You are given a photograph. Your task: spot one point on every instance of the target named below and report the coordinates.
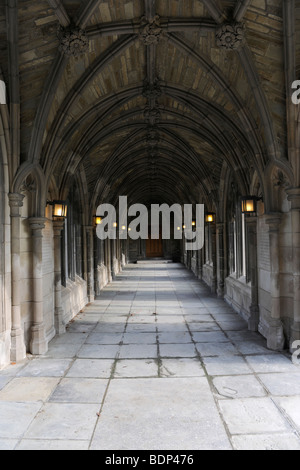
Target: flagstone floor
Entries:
(156, 363)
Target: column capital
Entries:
(251, 221)
(37, 223)
(294, 197)
(58, 225)
(274, 219)
(15, 202)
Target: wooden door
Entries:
(154, 248)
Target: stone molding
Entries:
(151, 31)
(16, 200)
(152, 115)
(294, 197)
(230, 36)
(152, 91)
(73, 41)
(37, 224)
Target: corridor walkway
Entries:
(155, 363)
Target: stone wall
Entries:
(74, 298)
(238, 295)
(264, 270)
(208, 275)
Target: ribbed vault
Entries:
(157, 104)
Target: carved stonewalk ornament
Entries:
(151, 32)
(73, 41)
(230, 36)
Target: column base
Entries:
(38, 344)
(221, 291)
(295, 336)
(275, 337)
(253, 320)
(18, 348)
(60, 326)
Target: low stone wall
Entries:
(238, 295)
(73, 298)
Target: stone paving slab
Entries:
(98, 351)
(79, 390)
(28, 389)
(160, 414)
(16, 417)
(91, 368)
(290, 406)
(282, 384)
(183, 367)
(253, 416)
(67, 421)
(138, 351)
(136, 368)
(287, 441)
(271, 363)
(157, 362)
(45, 368)
(52, 445)
(241, 386)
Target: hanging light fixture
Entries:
(249, 204)
(60, 209)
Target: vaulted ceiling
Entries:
(150, 99)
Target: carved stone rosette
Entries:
(230, 36)
(152, 115)
(151, 32)
(152, 91)
(73, 41)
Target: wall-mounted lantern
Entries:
(60, 209)
(97, 220)
(210, 217)
(249, 204)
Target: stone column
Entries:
(113, 258)
(90, 263)
(220, 259)
(38, 344)
(251, 228)
(18, 349)
(108, 259)
(97, 261)
(59, 324)
(200, 264)
(275, 339)
(294, 197)
(213, 233)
